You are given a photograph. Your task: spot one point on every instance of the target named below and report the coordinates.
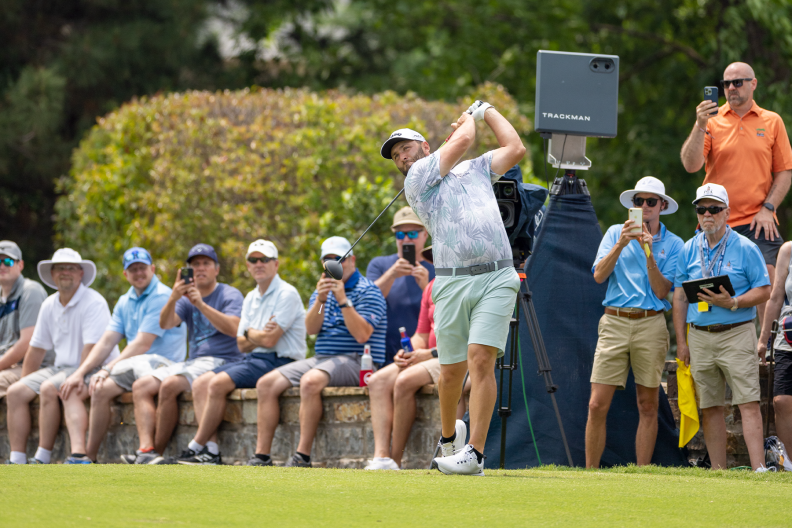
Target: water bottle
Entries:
(366, 366)
(406, 344)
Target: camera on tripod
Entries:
(507, 196)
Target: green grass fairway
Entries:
(117, 495)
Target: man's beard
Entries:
(419, 155)
(715, 227)
(735, 99)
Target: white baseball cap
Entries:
(335, 246)
(265, 247)
(713, 191)
(403, 134)
(66, 256)
(649, 184)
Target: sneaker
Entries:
(463, 463)
(163, 461)
(128, 459)
(297, 461)
(256, 461)
(33, 460)
(765, 470)
(146, 458)
(452, 448)
(382, 463)
(204, 458)
(77, 460)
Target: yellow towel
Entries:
(686, 400)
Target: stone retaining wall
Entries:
(344, 438)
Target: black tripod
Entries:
(525, 302)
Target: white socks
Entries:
(43, 455)
(18, 457)
(211, 446)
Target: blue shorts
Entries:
(247, 372)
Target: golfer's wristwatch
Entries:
(347, 304)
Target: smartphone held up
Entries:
(186, 275)
(711, 95)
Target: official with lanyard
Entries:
(721, 339)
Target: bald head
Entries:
(738, 70)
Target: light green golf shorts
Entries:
(473, 309)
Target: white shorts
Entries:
(127, 371)
(190, 369)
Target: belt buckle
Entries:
(481, 268)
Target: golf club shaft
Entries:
(372, 225)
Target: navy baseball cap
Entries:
(202, 250)
(136, 254)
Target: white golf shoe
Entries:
(454, 447)
(463, 463)
(382, 463)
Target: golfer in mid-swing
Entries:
(476, 285)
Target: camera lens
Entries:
(508, 190)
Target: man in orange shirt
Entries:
(746, 149)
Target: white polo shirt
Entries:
(281, 300)
(67, 329)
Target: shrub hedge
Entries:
(226, 168)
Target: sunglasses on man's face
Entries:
(713, 209)
(737, 83)
(412, 235)
(254, 260)
(7, 262)
(325, 259)
(651, 202)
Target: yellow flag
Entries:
(686, 400)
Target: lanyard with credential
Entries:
(717, 258)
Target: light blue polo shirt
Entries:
(133, 314)
(628, 285)
(742, 262)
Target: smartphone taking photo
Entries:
(187, 275)
(711, 94)
(408, 253)
(636, 215)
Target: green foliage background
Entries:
(226, 168)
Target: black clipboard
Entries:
(713, 284)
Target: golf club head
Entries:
(334, 269)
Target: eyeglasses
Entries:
(7, 262)
(735, 82)
(265, 260)
(325, 259)
(68, 268)
(713, 209)
(651, 202)
(412, 235)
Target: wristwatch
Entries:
(347, 304)
(434, 352)
(769, 206)
(734, 306)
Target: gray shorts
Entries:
(127, 371)
(55, 375)
(190, 369)
(344, 371)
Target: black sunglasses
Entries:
(735, 82)
(254, 260)
(713, 209)
(651, 202)
(325, 259)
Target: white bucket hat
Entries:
(649, 184)
(66, 256)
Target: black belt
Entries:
(475, 270)
(719, 327)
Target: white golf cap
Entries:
(66, 256)
(713, 191)
(265, 247)
(403, 134)
(335, 246)
(649, 184)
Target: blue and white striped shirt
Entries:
(334, 338)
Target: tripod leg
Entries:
(505, 411)
(437, 449)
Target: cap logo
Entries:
(396, 134)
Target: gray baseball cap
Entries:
(11, 249)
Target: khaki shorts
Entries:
(623, 343)
(724, 357)
(8, 377)
(432, 366)
(55, 375)
(343, 370)
(190, 369)
(129, 370)
(473, 310)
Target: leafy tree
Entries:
(226, 168)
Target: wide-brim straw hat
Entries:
(649, 184)
(66, 256)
